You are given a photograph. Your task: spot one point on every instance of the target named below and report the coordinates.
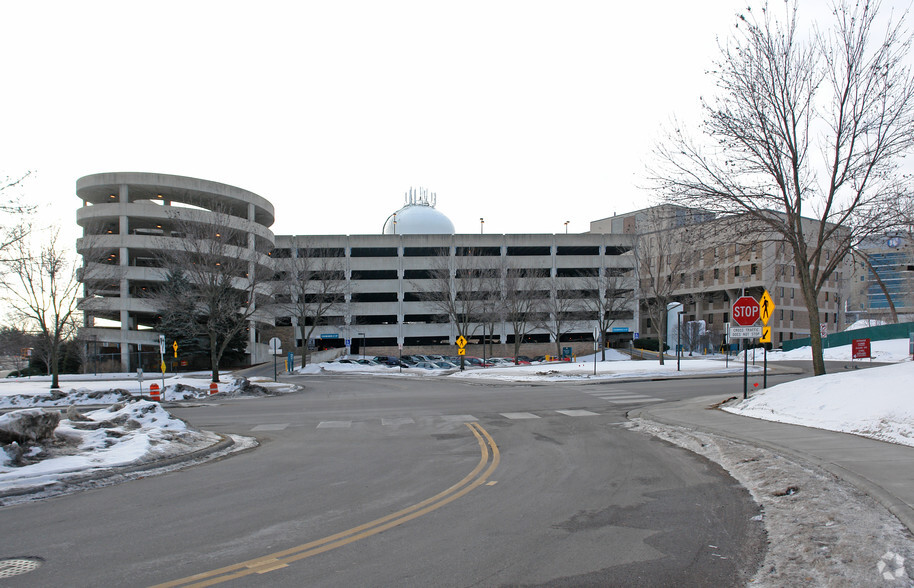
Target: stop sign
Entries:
(745, 311)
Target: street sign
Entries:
(348, 342)
(275, 346)
(175, 347)
(766, 335)
(461, 351)
(161, 344)
(461, 342)
(745, 311)
(860, 348)
(330, 335)
(745, 332)
(766, 308)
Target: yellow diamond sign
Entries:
(765, 307)
(766, 335)
(461, 341)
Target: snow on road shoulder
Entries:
(822, 531)
(133, 433)
(876, 402)
(894, 350)
(606, 370)
(32, 392)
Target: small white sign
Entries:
(275, 346)
(745, 332)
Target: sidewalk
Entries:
(885, 471)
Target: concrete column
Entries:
(124, 265)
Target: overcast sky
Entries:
(528, 114)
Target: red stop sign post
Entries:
(745, 313)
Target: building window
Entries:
(782, 314)
(716, 273)
(782, 292)
(753, 269)
(736, 271)
(791, 293)
(791, 317)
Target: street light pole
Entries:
(678, 338)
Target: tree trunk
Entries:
(55, 367)
(661, 336)
(815, 336)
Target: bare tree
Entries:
(613, 292)
(216, 281)
(662, 250)
(561, 311)
(313, 288)
(40, 285)
(805, 138)
(457, 290)
(520, 290)
(13, 209)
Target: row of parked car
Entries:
(439, 362)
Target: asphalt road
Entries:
(374, 481)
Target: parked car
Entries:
(445, 365)
(477, 362)
(366, 362)
(426, 365)
(390, 361)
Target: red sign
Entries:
(745, 311)
(860, 348)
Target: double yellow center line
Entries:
(488, 461)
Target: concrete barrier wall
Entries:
(880, 333)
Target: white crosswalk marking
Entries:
(334, 424)
(577, 413)
(519, 415)
(459, 418)
(396, 422)
(277, 427)
(624, 397)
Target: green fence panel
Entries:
(880, 333)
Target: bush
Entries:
(26, 372)
(649, 344)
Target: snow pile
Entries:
(607, 370)
(875, 403)
(33, 393)
(136, 432)
(864, 323)
(882, 351)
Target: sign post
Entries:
(162, 359)
(461, 344)
(766, 309)
(745, 313)
(275, 349)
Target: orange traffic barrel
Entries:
(213, 387)
(154, 392)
